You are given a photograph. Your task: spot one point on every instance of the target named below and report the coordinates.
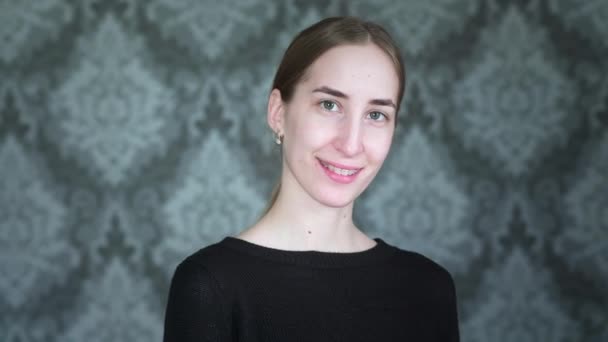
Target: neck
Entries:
(313, 225)
(298, 222)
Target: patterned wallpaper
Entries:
(132, 133)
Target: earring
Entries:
(278, 139)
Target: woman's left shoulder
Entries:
(414, 263)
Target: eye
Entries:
(377, 116)
(329, 105)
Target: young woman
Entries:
(304, 271)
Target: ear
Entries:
(276, 112)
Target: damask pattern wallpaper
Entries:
(132, 133)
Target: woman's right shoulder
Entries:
(208, 258)
(215, 260)
(199, 301)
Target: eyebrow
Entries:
(337, 93)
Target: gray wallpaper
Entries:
(132, 133)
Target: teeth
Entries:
(340, 171)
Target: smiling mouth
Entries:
(339, 171)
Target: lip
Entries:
(342, 179)
(340, 166)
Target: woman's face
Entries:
(339, 124)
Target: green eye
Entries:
(329, 105)
(377, 116)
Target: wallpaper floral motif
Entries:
(132, 133)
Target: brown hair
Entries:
(317, 39)
(328, 33)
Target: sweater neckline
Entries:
(374, 255)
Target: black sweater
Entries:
(239, 291)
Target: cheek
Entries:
(302, 138)
(378, 145)
(309, 131)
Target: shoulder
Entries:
(208, 257)
(194, 270)
(209, 261)
(204, 279)
(419, 262)
(197, 305)
(424, 271)
(432, 285)
(215, 263)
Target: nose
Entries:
(350, 137)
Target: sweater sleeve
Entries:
(195, 310)
(450, 330)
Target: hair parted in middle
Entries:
(319, 38)
(328, 33)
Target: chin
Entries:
(336, 200)
(336, 203)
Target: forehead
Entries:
(361, 70)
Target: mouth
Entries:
(340, 171)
